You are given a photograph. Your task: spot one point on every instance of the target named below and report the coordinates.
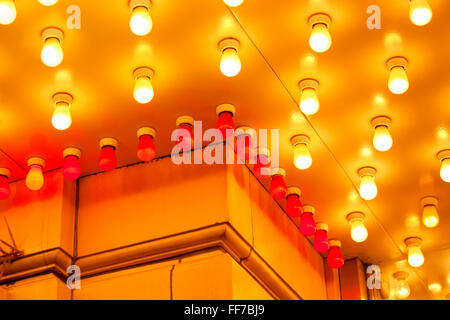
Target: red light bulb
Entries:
(146, 149)
(225, 123)
(186, 142)
(244, 146)
(294, 206)
(4, 187)
(321, 240)
(335, 258)
(307, 224)
(107, 160)
(71, 168)
(262, 162)
(278, 188)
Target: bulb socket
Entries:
(132, 4)
(52, 32)
(381, 121)
(355, 216)
(5, 172)
(443, 154)
(63, 97)
(397, 61)
(226, 108)
(334, 243)
(308, 83)
(413, 242)
(144, 72)
(300, 138)
(429, 201)
(320, 226)
(185, 120)
(146, 131)
(229, 43)
(367, 171)
(36, 161)
(319, 17)
(309, 209)
(109, 142)
(279, 172)
(294, 191)
(72, 151)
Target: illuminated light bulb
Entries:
(62, 119)
(415, 255)
(302, 157)
(35, 178)
(5, 190)
(358, 230)
(420, 12)
(52, 54)
(7, 11)
(48, 2)
(244, 143)
(382, 140)
(71, 166)
(321, 243)
(278, 188)
(294, 207)
(309, 102)
(320, 39)
(261, 169)
(143, 89)
(108, 159)
(225, 123)
(146, 149)
(430, 216)
(233, 3)
(230, 65)
(444, 157)
(186, 138)
(140, 22)
(401, 286)
(398, 79)
(335, 258)
(367, 188)
(307, 224)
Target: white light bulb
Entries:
(398, 80)
(420, 12)
(309, 103)
(7, 11)
(61, 119)
(141, 22)
(48, 2)
(302, 157)
(52, 54)
(143, 90)
(368, 189)
(320, 39)
(415, 256)
(445, 170)
(382, 140)
(233, 3)
(230, 65)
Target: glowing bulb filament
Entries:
(398, 80)
(302, 157)
(230, 65)
(368, 189)
(309, 103)
(320, 39)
